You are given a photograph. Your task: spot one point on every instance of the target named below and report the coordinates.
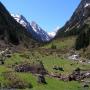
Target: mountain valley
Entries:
(33, 59)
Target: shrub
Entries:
(53, 46)
(83, 39)
(15, 82)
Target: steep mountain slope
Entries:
(40, 33)
(37, 32)
(78, 18)
(12, 32)
(22, 20)
(78, 25)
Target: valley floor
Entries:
(49, 58)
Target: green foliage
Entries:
(53, 46)
(27, 79)
(83, 39)
(11, 31)
(14, 81)
(62, 43)
(13, 37)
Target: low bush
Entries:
(53, 46)
(15, 82)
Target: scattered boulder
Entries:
(35, 68)
(58, 68)
(4, 54)
(1, 61)
(61, 68)
(74, 57)
(41, 79)
(86, 86)
(87, 74)
(55, 75)
(79, 75)
(76, 75)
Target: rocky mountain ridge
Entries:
(36, 31)
(78, 25)
(77, 19)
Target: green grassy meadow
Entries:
(49, 61)
(50, 58)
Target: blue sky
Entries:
(49, 14)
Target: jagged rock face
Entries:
(40, 33)
(81, 13)
(87, 10)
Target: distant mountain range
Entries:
(36, 31)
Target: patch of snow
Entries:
(52, 34)
(86, 5)
(21, 19)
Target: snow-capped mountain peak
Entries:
(35, 27)
(44, 35)
(21, 19)
(36, 31)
